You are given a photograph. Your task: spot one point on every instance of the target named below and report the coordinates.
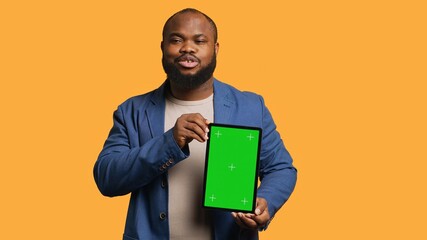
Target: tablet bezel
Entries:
(255, 181)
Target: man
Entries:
(156, 147)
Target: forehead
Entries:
(189, 24)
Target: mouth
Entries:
(187, 61)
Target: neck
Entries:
(201, 92)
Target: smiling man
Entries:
(156, 147)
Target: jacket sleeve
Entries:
(277, 174)
(121, 169)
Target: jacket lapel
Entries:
(223, 103)
(155, 112)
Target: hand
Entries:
(253, 221)
(188, 127)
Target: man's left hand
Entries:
(251, 220)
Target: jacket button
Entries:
(162, 216)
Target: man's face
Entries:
(189, 50)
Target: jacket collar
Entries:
(223, 106)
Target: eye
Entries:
(201, 41)
(175, 40)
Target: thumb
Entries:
(261, 205)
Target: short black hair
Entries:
(192, 10)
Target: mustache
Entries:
(187, 57)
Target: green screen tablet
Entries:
(231, 167)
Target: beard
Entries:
(189, 81)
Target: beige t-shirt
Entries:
(187, 217)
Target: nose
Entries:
(187, 47)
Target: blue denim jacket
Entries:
(133, 160)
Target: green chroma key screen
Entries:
(231, 168)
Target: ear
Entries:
(216, 48)
(161, 45)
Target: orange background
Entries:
(344, 80)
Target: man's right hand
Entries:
(188, 127)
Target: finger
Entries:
(196, 132)
(261, 212)
(248, 222)
(237, 220)
(188, 127)
(202, 122)
(261, 205)
(262, 219)
(189, 136)
(199, 121)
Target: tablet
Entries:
(231, 167)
